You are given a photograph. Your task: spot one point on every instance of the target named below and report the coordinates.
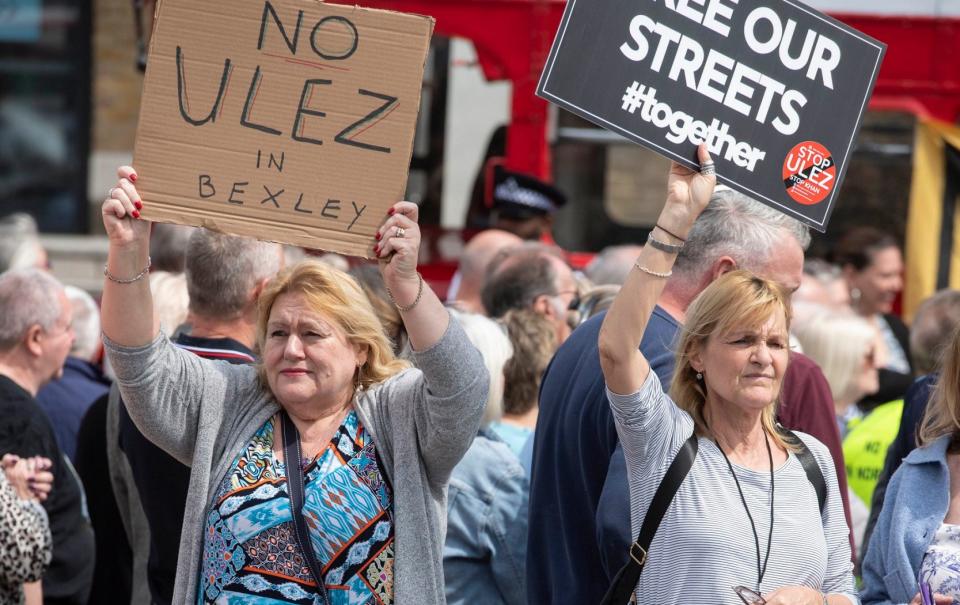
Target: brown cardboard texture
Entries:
(285, 120)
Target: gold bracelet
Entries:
(136, 278)
(652, 272)
(416, 301)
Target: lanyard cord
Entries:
(761, 571)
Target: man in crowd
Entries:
(524, 205)
(612, 264)
(534, 277)
(35, 338)
(225, 275)
(579, 482)
(471, 274)
(67, 398)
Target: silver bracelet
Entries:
(652, 272)
(416, 301)
(664, 246)
(118, 280)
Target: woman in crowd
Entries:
(844, 345)
(872, 266)
(330, 420)
(917, 538)
(25, 540)
(534, 342)
(485, 552)
(746, 480)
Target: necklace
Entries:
(761, 571)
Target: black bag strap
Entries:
(812, 468)
(293, 456)
(626, 579)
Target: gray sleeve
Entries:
(649, 424)
(165, 387)
(26, 549)
(452, 398)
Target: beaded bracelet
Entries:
(652, 272)
(416, 301)
(136, 278)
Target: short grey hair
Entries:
(28, 297)
(612, 265)
(168, 246)
(86, 323)
(932, 330)
(223, 269)
(740, 227)
(19, 242)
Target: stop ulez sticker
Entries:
(809, 173)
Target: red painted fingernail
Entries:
(139, 205)
(133, 178)
(391, 211)
(378, 236)
(136, 214)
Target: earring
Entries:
(359, 386)
(699, 376)
(855, 295)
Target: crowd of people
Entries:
(707, 418)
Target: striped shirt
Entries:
(705, 544)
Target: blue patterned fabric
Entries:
(250, 551)
(941, 565)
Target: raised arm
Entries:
(424, 316)
(127, 304)
(624, 367)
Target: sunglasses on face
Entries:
(748, 596)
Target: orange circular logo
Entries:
(809, 173)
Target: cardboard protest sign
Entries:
(285, 120)
(776, 89)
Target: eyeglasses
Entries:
(748, 596)
(574, 302)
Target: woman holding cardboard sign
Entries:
(319, 476)
(743, 521)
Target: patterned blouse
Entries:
(941, 565)
(250, 551)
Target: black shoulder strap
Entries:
(812, 468)
(626, 579)
(292, 457)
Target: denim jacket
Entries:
(913, 508)
(486, 545)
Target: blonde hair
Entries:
(943, 412)
(732, 301)
(534, 342)
(492, 341)
(838, 342)
(338, 297)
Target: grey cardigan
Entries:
(203, 412)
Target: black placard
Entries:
(777, 89)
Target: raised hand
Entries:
(121, 211)
(398, 248)
(688, 192)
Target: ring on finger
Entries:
(708, 169)
(110, 193)
(400, 231)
